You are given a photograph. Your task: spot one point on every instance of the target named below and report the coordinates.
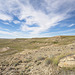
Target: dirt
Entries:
(33, 62)
(4, 49)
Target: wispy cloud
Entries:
(66, 32)
(16, 21)
(45, 21)
(71, 25)
(4, 29)
(22, 35)
(5, 32)
(10, 33)
(44, 13)
(15, 34)
(5, 17)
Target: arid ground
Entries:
(38, 56)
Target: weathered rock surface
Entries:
(32, 62)
(4, 49)
(68, 61)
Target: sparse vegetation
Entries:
(47, 61)
(37, 55)
(38, 63)
(27, 60)
(68, 68)
(55, 42)
(55, 60)
(19, 45)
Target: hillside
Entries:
(37, 56)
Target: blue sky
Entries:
(36, 18)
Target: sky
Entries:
(36, 18)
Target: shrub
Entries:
(47, 61)
(55, 42)
(38, 63)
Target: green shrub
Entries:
(55, 42)
(55, 60)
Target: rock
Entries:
(4, 49)
(68, 61)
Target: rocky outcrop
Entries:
(68, 61)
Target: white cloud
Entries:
(10, 33)
(66, 32)
(22, 35)
(14, 34)
(16, 22)
(48, 14)
(6, 23)
(46, 21)
(4, 32)
(4, 29)
(5, 17)
(71, 25)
